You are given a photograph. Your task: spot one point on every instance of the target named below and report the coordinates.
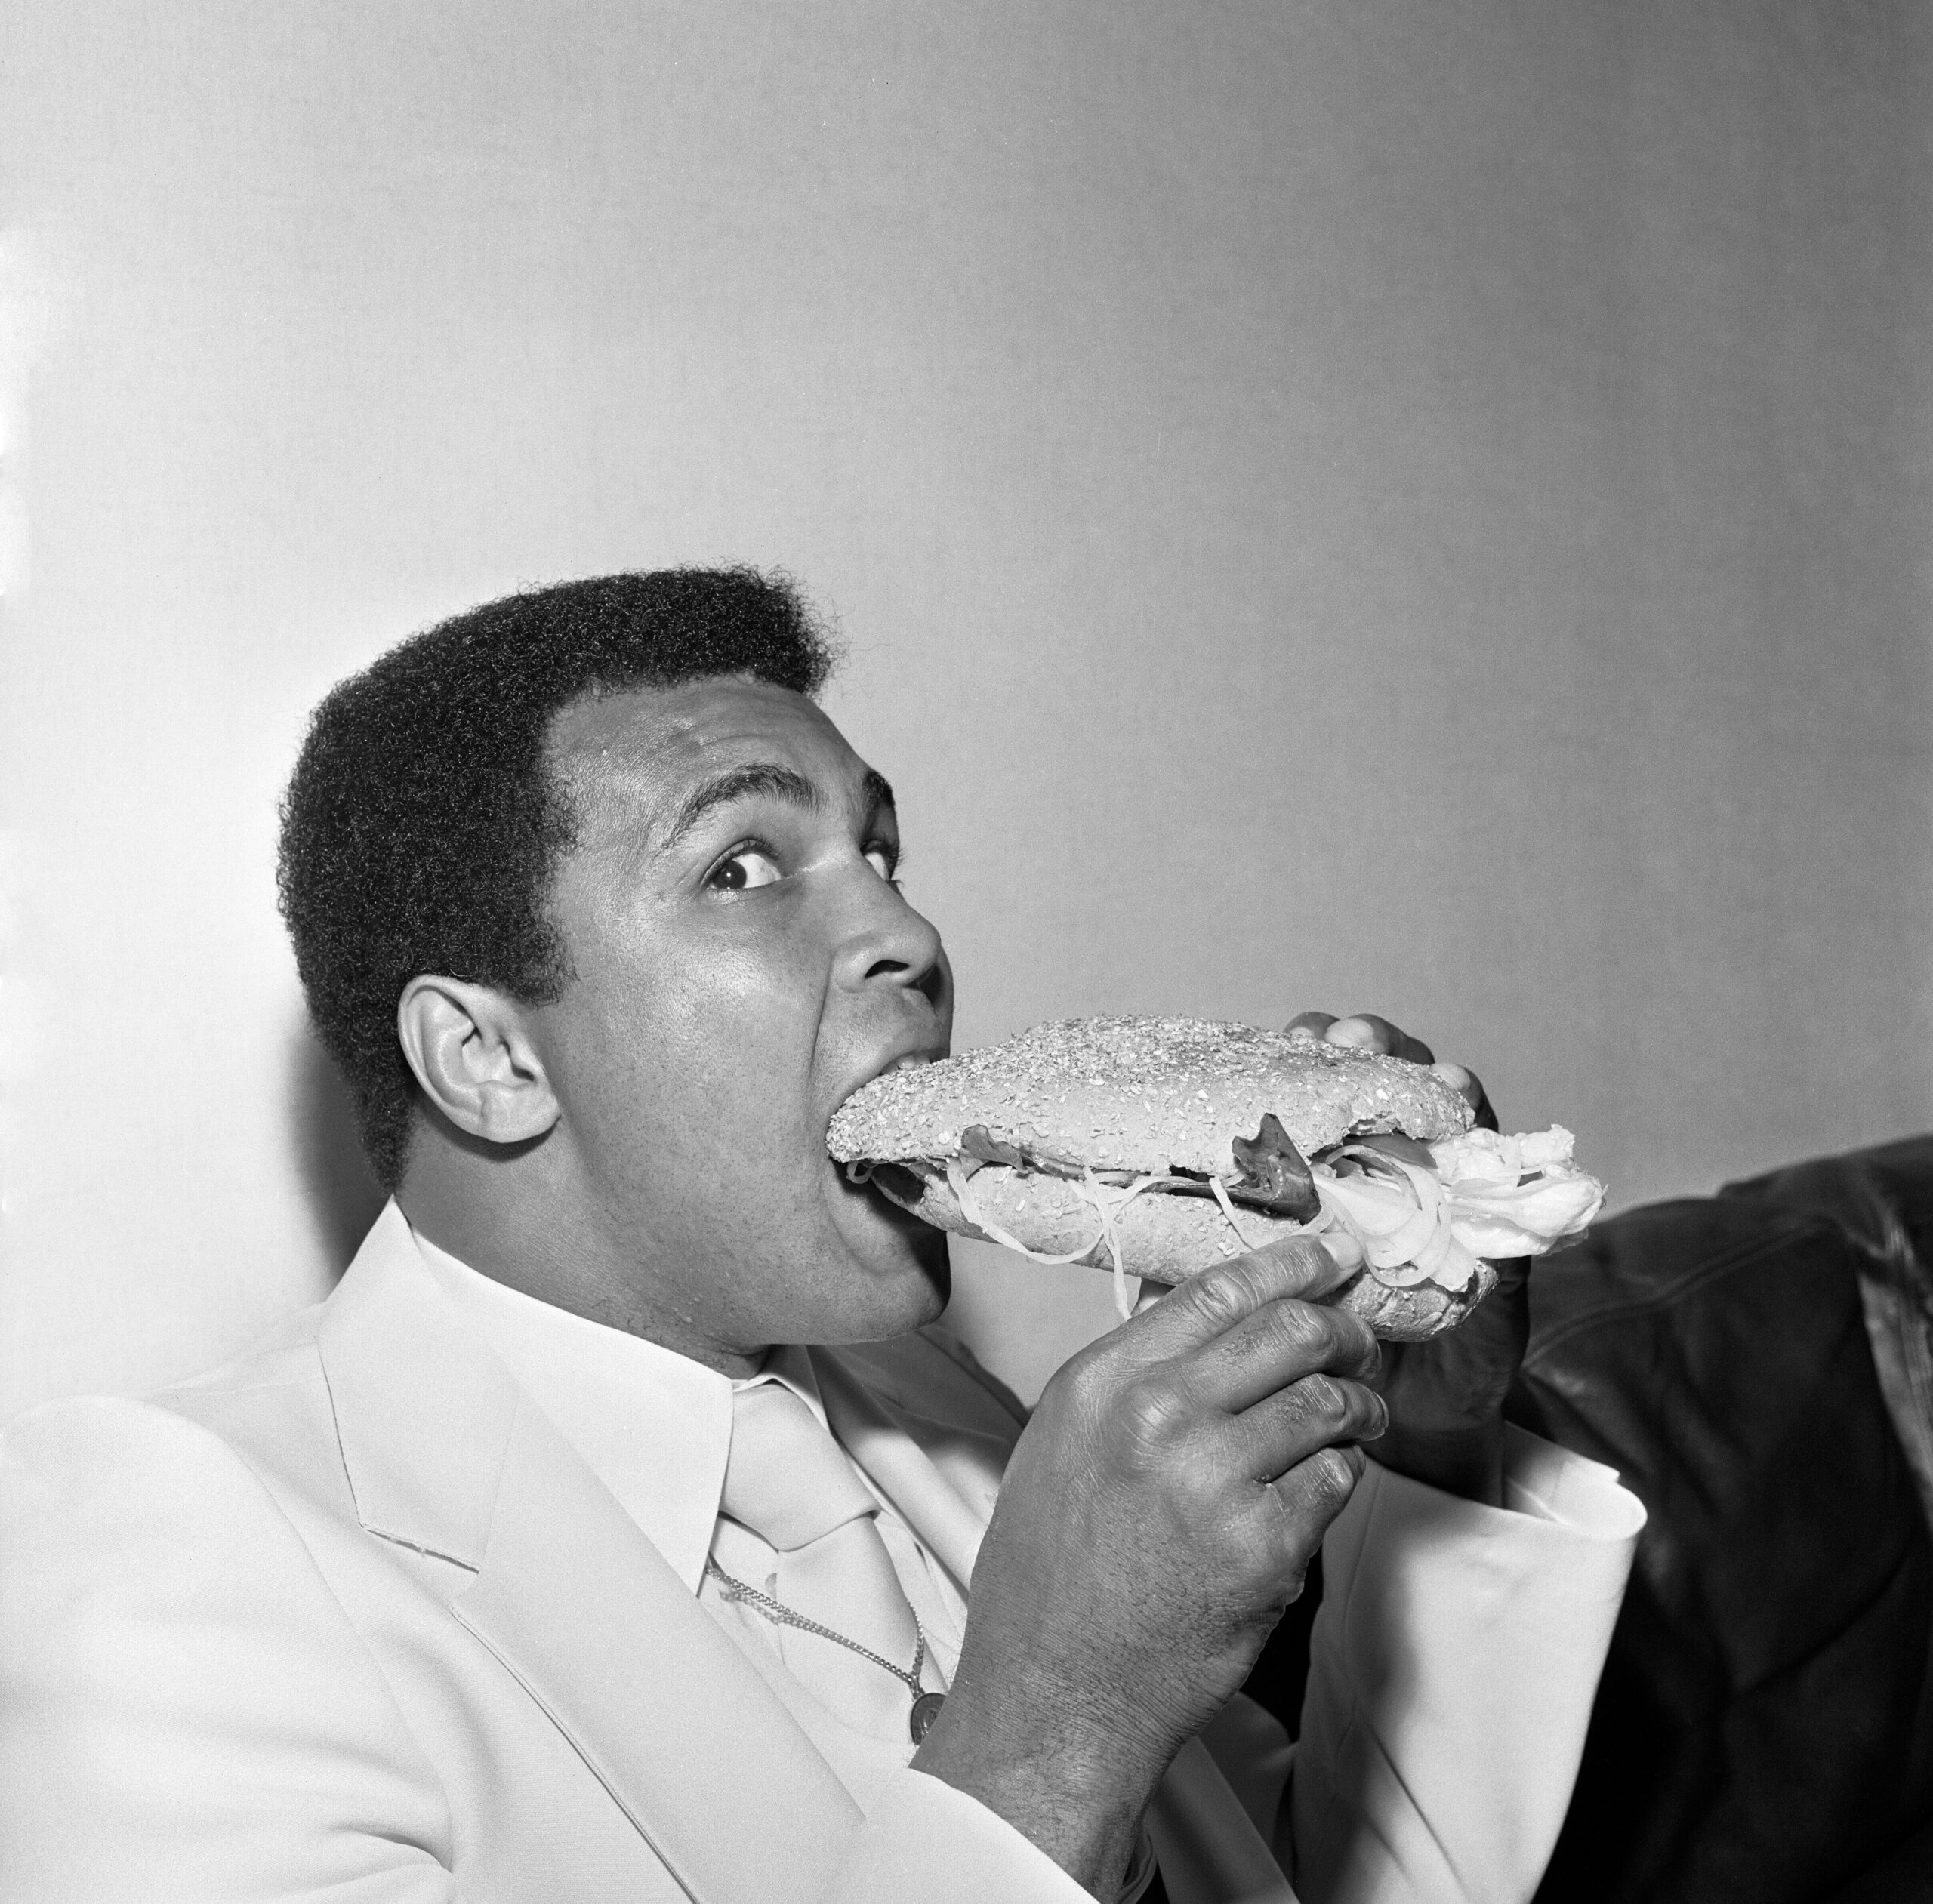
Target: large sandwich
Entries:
(1156, 1147)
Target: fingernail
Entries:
(1344, 1249)
(1350, 1031)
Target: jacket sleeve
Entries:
(922, 1839)
(1453, 1666)
(186, 1712)
(188, 1715)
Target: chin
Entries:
(912, 1288)
(902, 1276)
(926, 1303)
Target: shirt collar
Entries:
(653, 1425)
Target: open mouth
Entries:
(888, 1191)
(890, 1185)
(899, 1186)
(907, 1061)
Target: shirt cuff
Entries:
(1552, 1484)
(1453, 1665)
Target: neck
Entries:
(506, 1219)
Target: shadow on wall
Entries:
(343, 1194)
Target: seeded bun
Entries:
(1167, 1240)
(1143, 1094)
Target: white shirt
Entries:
(656, 1428)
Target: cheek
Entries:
(704, 1057)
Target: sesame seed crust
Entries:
(1142, 1094)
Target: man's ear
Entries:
(472, 1054)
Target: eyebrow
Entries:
(764, 780)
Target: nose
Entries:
(888, 943)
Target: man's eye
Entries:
(885, 861)
(749, 866)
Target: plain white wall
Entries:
(1419, 505)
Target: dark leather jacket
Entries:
(1758, 1366)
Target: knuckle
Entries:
(1301, 1332)
(1229, 1292)
(1297, 1409)
(1321, 1407)
(1361, 1349)
(1322, 1398)
(1343, 1468)
(1295, 1261)
(1360, 1411)
(1215, 1296)
(1329, 1478)
(1066, 1383)
(1345, 1341)
(1081, 1385)
(1152, 1412)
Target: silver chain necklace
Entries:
(926, 1706)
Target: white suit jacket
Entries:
(350, 1620)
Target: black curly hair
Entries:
(423, 825)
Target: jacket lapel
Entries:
(674, 1721)
(445, 1454)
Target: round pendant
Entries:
(926, 1710)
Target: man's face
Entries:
(742, 961)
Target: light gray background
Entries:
(1419, 505)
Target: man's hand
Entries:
(1445, 1395)
(1157, 1515)
(1364, 1031)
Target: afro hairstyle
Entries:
(422, 826)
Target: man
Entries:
(606, 1534)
